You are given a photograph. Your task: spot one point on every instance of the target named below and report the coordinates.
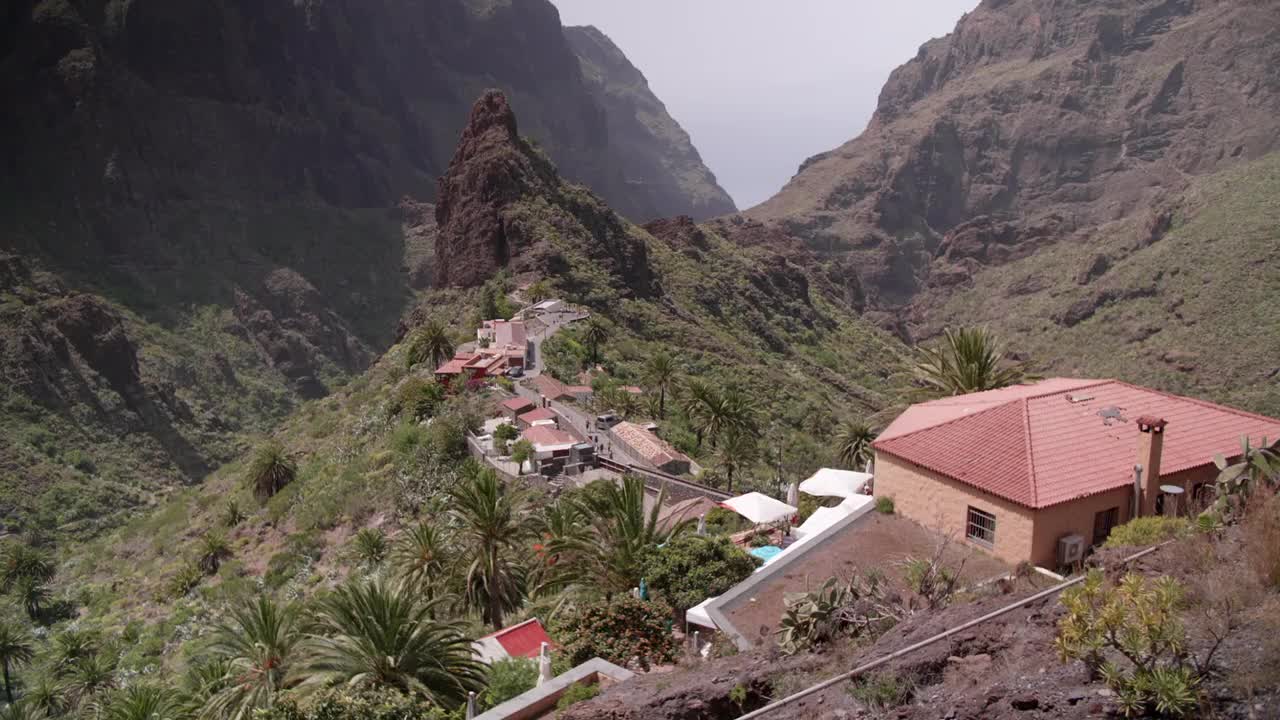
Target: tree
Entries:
(692, 568)
(595, 333)
(493, 530)
(714, 413)
(700, 403)
(853, 444)
(430, 343)
(736, 450)
(538, 291)
(420, 557)
(214, 548)
(378, 635)
(521, 452)
(143, 702)
(661, 373)
(19, 560)
(271, 470)
(623, 532)
(90, 676)
(968, 360)
(259, 644)
(624, 631)
(15, 650)
(370, 546)
(24, 710)
(33, 594)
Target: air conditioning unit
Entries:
(1070, 550)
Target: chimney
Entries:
(1150, 448)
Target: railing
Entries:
(623, 468)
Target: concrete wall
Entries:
(943, 504)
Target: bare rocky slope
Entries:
(1035, 168)
(212, 210)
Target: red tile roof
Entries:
(517, 403)
(523, 640)
(549, 387)
(547, 436)
(534, 416)
(1061, 439)
(646, 444)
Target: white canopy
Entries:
(697, 615)
(820, 520)
(829, 482)
(759, 508)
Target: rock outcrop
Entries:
(502, 205)
(1032, 123)
(652, 148)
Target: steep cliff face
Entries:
(659, 162)
(1035, 121)
(1061, 172)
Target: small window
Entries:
(982, 527)
(1103, 522)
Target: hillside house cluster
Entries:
(500, 346)
(1044, 471)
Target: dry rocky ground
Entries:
(1003, 669)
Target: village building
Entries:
(1042, 472)
(509, 337)
(481, 364)
(550, 388)
(515, 407)
(518, 641)
(539, 416)
(556, 452)
(644, 445)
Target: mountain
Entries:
(655, 148)
(1060, 171)
(212, 211)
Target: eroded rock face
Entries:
(1030, 123)
(502, 205)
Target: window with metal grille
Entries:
(982, 527)
(1103, 522)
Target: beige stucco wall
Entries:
(941, 503)
(1021, 533)
(1073, 518)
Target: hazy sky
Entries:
(763, 84)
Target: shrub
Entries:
(510, 678)
(580, 692)
(418, 398)
(884, 504)
(80, 461)
(407, 438)
(447, 438)
(506, 432)
(370, 546)
(1262, 540)
(692, 568)
(882, 691)
(348, 704)
(721, 521)
(624, 631)
(1141, 622)
(1144, 531)
(184, 580)
(214, 548)
(232, 515)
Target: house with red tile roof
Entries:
(643, 444)
(518, 641)
(550, 388)
(516, 406)
(1041, 472)
(540, 416)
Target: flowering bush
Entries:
(624, 631)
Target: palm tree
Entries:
(15, 650)
(660, 372)
(213, 550)
(25, 710)
(853, 444)
(968, 360)
(205, 680)
(564, 540)
(595, 334)
(70, 647)
(47, 696)
(258, 642)
(370, 546)
(432, 343)
(90, 676)
(492, 532)
(623, 532)
(702, 406)
(34, 595)
(143, 702)
(19, 560)
(736, 450)
(421, 558)
(271, 470)
(378, 635)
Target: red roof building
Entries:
(1018, 469)
(518, 641)
(541, 416)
